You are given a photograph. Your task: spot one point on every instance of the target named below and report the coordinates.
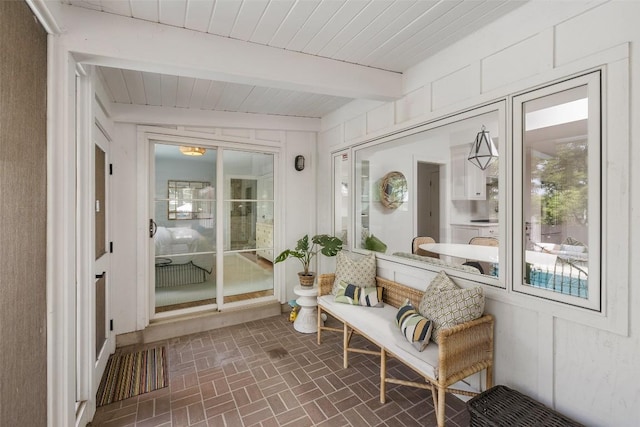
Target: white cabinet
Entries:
(264, 240)
(462, 233)
(468, 182)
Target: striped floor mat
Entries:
(131, 374)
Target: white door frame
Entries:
(146, 136)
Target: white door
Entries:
(94, 339)
(104, 337)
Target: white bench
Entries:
(463, 350)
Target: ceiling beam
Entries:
(166, 116)
(110, 40)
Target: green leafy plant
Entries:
(306, 249)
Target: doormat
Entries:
(131, 374)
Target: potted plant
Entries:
(305, 251)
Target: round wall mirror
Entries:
(393, 190)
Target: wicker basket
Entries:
(501, 406)
(307, 280)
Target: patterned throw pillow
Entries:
(355, 295)
(361, 273)
(448, 305)
(413, 326)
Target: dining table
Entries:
(486, 253)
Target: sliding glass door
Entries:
(184, 232)
(248, 230)
(207, 198)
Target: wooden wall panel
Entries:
(23, 213)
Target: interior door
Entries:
(104, 337)
(428, 200)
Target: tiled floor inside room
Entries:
(264, 373)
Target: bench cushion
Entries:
(378, 325)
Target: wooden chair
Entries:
(484, 267)
(415, 246)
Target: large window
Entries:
(557, 141)
(418, 198)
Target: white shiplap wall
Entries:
(583, 364)
(295, 220)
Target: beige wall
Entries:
(23, 161)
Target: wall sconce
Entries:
(483, 150)
(299, 162)
(192, 151)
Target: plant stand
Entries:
(306, 321)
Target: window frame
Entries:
(594, 83)
(337, 158)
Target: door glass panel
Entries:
(184, 213)
(248, 210)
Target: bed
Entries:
(183, 256)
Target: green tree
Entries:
(564, 184)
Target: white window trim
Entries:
(592, 81)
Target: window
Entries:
(341, 201)
(557, 160)
(445, 211)
(189, 199)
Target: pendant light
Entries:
(483, 150)
(192, 151)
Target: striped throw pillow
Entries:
(370, 296)
(414, 327)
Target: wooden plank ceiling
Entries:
(391, 35)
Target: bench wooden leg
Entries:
(319, 324)
(383, 375)
(345, 345)
(434, 396)
(440, 415)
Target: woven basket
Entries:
(501, 406)
(307, 280)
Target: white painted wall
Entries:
(297, 207)
(583, 364)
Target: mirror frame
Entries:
(393, 190)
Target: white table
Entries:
(485, 253)
(306, 321)
(461, 250)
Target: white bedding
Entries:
(178, 244)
